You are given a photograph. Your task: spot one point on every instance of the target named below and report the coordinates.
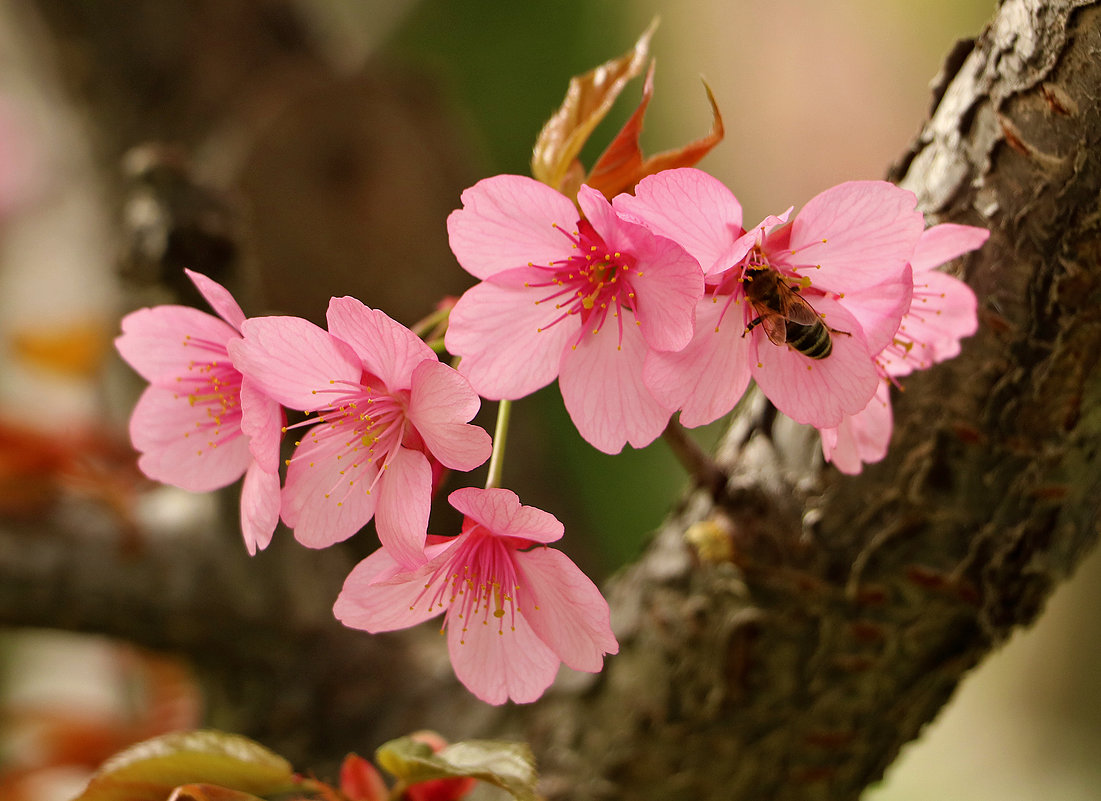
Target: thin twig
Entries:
(692, 457)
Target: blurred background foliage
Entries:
(342, 131)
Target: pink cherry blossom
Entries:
(513, 608)
(860, 438)
(386, 409)
(200, 425)
(581, 300)
(855, 236)
(944, 309)
(942, 312)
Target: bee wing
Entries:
(776, 328)
(796, 309)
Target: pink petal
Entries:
(293, 361)
(709, 376)
(942, 243)
(439, 406)
(943, 311)
(862, 437)
(666, 293)
(500, 511)
(260, 499)
(510, 345)
(879, 309)
(954, 314)
(262, 422)
(382, 595)
(498, 664)
(601, 383)
(387, 348)
(690, 207)
(219, 298)
(565, 609)
(318, 501)
(599, 212)
(161, 342)
(175, 450)
(440, 393)
(404, 501)
(819, 392)
(758, 234)
(510, 221)
(668, 282)
(869, 230)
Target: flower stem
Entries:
(434, 324)
(500, 439)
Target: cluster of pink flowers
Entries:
(649, 304)
(382, 419)
(661, 301)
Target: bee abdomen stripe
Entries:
(813, 341)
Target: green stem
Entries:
(435, 320)
(500, 439)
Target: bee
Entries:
(785, 315)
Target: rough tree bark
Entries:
(829, 618)
(852, 607)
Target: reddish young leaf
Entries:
(440, 790)
(588, 98)
(361, 781)
(621, 166)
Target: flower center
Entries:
(590, 284)
(924, 308)
(213, 387)
(361, 430)
(480, 583)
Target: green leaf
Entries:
(509, 766)
(151, 770)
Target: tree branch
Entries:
(846, 617)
